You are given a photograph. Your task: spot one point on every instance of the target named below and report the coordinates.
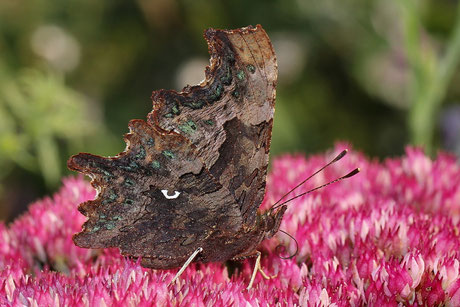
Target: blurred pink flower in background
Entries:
(388, 235)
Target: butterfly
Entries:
(189, 184)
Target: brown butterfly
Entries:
(192, 177)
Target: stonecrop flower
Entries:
(387, 236)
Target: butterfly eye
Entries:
(165, 193)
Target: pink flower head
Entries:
(386, 236)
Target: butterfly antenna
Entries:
(350, 174)
(339, 156)
(281, 248)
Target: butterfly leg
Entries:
(257, 268)
(186, 264)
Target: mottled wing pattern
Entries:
(132, 212)
(194, 174)
(229, 116)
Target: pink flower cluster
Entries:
(387, 236)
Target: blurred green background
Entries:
(377, 73)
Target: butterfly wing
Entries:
(154, 200)
(193, 175)
(229, 116)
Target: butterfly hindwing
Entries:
(137, 208)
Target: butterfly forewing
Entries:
(229, 116)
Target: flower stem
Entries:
(429, 87)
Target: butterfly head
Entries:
(272, 221)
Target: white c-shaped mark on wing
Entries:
(165, 193)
